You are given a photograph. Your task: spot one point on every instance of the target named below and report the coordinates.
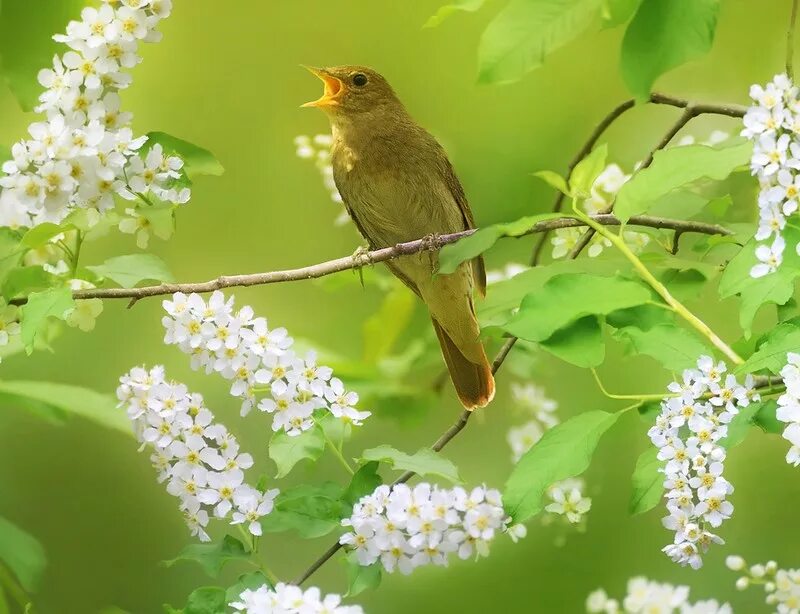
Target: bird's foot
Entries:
(361, 258)
(432, 243)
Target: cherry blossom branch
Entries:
(691, 110)
(380, 255)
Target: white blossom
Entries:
(263, 369)
(291, 599)
(782, 586)
(318, 150)
(568, 500)
(405, 527)
(197, 458)
(687, 434)
(646, 596)
(789, 407)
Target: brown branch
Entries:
(380, 255)
(440, 443)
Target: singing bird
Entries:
(398, 185)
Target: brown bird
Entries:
(398, 185)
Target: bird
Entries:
(398, 185)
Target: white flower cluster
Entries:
(533, 401)
(567, 500)
(687, 434)
(789, 407)
(406, 527)
(645, 596)
(197, 457)
(782, 586)
(318, 149)
(241, 348)
(83, 152)
(291, 599)
(602, 194)
(773, 123)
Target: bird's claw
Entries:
(361, 258)
(432, 243)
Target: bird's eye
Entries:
(359, 79)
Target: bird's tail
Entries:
(474, 382)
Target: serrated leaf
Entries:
(22, 554)
(771, 355)
(647, 481)
(130, 270)
(197, 161)
(452, 255)
(24, 280)
(525, 32)
(56, 302)
(69, 400)
(422, 462)
(454, 7)
(553, 179)
(206, 600)
(566, 298)
(677, 167)
(674, 347)
(287, 451)
(312, 511)
(663, 35)
(740, 425)
(41, 234)
(766, 419)
(587, 170)
(10, 252)
(214, 556)
(364, 482)
(563, 452)
(361, 577)
(580, 343)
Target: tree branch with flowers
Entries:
(619, 275)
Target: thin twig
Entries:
(440, 443)
(380, 255)
(790, 41)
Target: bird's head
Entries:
(353, 91)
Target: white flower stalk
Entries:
(789, 407)
(602, 194)
(197, 457)
(782, 586)
(406, 527)
(532, 400)
(258, 360)
(645, 596)
(318, 150)
(773, 124)
(568, 501)
(687, 434)
(291, 599)
(82, 151)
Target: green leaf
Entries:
(252, 581)
(674, 347)
(130, 270)
(56, 303)
(39, 235)
(579, 343)
(206, 600)
(680, 204)
(617, 12)
(648, 482)
(25, 280)
(452, 255)
(643, 317)
(553, 179)
(22, 553)
(586, 171)
(384, 328)
(214, 556)
(67, 399)
(423, 462)
(766, 419)
(197, 161)
(448, 9)
(663, 35)
(10, 251)
(312, 511)
(525, 32)
(26, 43)
(364, 482)
(677, 167)
(566, 298)
(771, 355)
(740, 425)
(563, 452)
(361, 577)
(287, 451)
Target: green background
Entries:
(227, 77)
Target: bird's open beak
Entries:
(333, 88)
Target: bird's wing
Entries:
(450, 178)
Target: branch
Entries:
(379, 255)
(730, 110)
(790, 41)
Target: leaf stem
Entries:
(661, 289)
(14, 588)
(336, 452)
(76, 253)
(640, 397)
